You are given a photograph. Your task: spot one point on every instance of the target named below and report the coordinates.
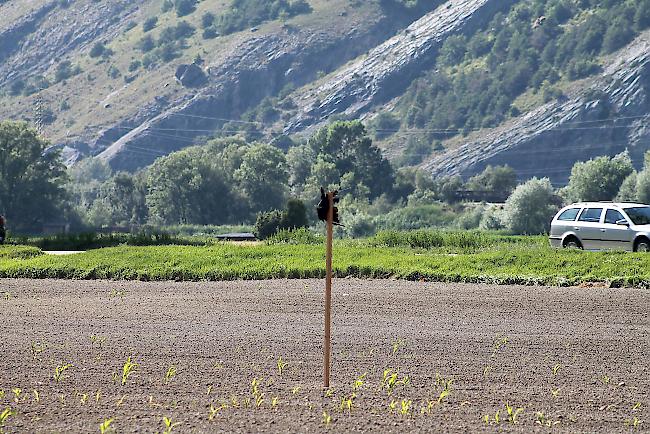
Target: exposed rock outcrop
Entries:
(263, 66)
(606, 117)
(190, 75)
(47, 35)
(389, 68)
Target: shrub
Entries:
(295, 236)
(627, 192)
(599, 178)
(530, 208)
(415, 217)
(295, 215)
(149, 23)
(97, 50)
(267, 224)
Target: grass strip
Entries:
(503, 265)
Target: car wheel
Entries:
(572, 243)
(643, 245)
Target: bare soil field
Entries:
(407, 356)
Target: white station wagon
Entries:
(602, 226)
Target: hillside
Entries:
(451, 86)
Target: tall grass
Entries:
(511, 264)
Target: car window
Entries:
(569, 215)
(639, 215)
(612, 216)
(591, 215)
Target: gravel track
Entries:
(498, 343)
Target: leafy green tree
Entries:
(627, 192)
(263, 177)
(494, 179)
(185, 187)
(295, 215)
(530, 208)
(32, 177)
(347, 147)
(598, 179)
(121, 201)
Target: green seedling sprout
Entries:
(541, 419)
(6, 414)
(636, 406)
(128, 368)
(634, 422)
(169, 425)
(281, 365)
(98, 394)
(170, 374)
(120, 401)
(258, 396)
(118, 293)
(513, 413)
(295, 390)
(36, 349)
(499, 342)
(348, 402)
(84, 398)
(105, 426)
(274, 401)
(327, 419)
(17, 391)
(37, 396)
(358, 383)
(605, 379)
(59, 371)
(495, 420)
(556, 392)
(405, 407)
(555, 369)
(397, 344)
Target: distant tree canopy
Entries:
(533, 47)
(32, 178)
(598, 179)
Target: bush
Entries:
(627, 192)
(149, 23)
(184, 7)
(530, 208)
(97, 50)
(415, 217)
(295, 236)
(267, 224)
(295, 215)
(599, 178)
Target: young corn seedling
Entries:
(556, 392)
(17, 391)
(634, 422)
(295, 390)
(555, 369)
(405, 407)
(499, 342)
(358, 383)
(281, 365)
(348, 403)
(120, 401)
(60, 370)
(98, 395)
(541, 419)
(128, 368)
(37, 396)
(105, 427)
(170, 374)
(169, 425)
(258, 396)
(36, 349)
(513, 413)
(399, 342)
(274, 402)
(84, 398)
(6, 414)
(605, 379)
(97, 340)
(327, 419)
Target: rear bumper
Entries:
(555, 242)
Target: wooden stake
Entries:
(328, 289)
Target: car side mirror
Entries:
(622, 223)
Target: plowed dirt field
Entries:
(407, 356)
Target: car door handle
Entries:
(603, 230)
(576, 228)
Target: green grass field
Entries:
(445, 257)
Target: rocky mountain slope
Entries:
(343, 59)
(606, 115)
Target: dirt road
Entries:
(577, 359)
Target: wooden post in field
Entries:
(328, 288)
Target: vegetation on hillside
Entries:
(536, 45)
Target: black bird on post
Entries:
(324, 204)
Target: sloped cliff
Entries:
(605, 116)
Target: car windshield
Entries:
(639, 215)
